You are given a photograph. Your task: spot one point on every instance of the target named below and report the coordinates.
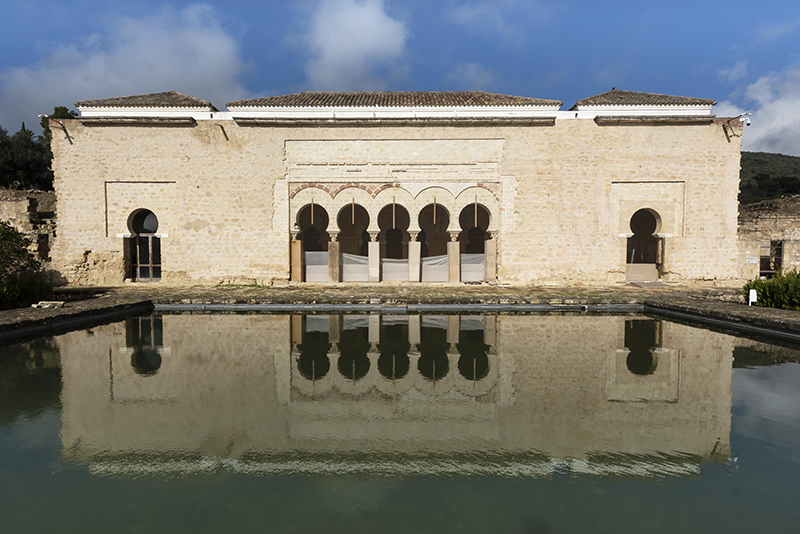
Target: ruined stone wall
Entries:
(772, 220)
(32, 213)
(560, 196)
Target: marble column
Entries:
(454, 258)
(453, 329)
(413, 330)
(334, 258)
(334, 328)
(374, 256)
(414, 253)
(374, 332)
(490, 256)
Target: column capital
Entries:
(373, 234)
(413, 235)
(334, 235)
(453, 235)
(294, 233)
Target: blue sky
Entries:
(745, 55)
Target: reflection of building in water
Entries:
(397, 394)
(433, 355)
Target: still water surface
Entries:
(367, 423)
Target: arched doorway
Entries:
(353, 221)
(144, 247)
(312, 219)
(434, 220)
(393, 221)
(644, 251)
(474, 221)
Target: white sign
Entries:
(752, 261)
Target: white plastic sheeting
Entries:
(317, 323)
(316, 266)
(466, 322)
(435, 269)
(355, 268)
(471, 322)
(472, 267)
(434, 321)
(394, 270)
(353, 322)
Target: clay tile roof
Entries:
(617, 97)
(169, 99)
(394, 99)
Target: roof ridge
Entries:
(394, 99)
(622, 97)
(162, 99)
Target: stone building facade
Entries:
(419, 187)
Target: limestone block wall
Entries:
(560, 196)
(578, 183)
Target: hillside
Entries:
(765, 176)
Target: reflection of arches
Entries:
(474, 362)
(643, 244)
(144, 246)
(393, 362)
(353, 221)
(146, 361)
(145, 336)
(474, 220)
(353, 363)
(641, 340)
(313, 361)
(433, 362)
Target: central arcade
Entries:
(395, 210)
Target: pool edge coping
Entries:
(87, 318)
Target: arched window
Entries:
(144, 247)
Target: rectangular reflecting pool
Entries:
(544, 423)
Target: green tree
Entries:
(59, 112)
(21, 279)
(24, 162)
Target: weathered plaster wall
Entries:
(560, 196)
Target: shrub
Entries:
(21, 279)
(782, 291)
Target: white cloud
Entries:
(471, 77)
(353, 44)
(186, 51)
(776, 31)
(774, 101)
(505, 19)
(736, 72)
